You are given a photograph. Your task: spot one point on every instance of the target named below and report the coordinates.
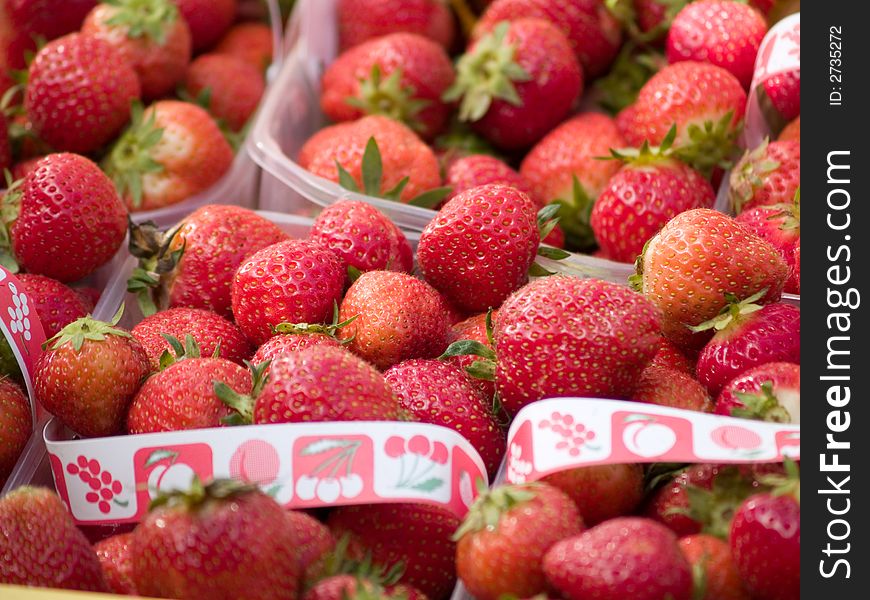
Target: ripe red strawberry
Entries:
(670, 504)
(251, 42)
(628, 128)
(401, 75)
(363, 236)
(698, 257)
(722, 32)
(16, 425)
(149, 35)
(232, 87)
(209, 542)
(771, 392)
(784, 92)
(340, 587)
(650, 190)
(779, 224)
(517, 82)
(713, 568)
(314, 544)
(669, 387)
(89, 375)
(670, 356)
(55, 304)
(24, 22)
(747, 336)
(65, 207)
(481, 169)
(296, 281)
(208, 20)
(398, 317)
(505, 536)
(403, 154)
(767, 175)
(287, 343)
(194, 265)
(361, 20)
(792, 131)
(5, 147)
(382, 530)
(592, 31)
(480, 246)
(41, 545)
(172, 150)
(79, 92)
(565, 167)
(626, 557)
(114, 555)
(601, 492)
(438, 392)
(473, 328)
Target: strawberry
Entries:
(5, 147)
(21, 169)
(79, 92)
(401, 75)
(670, 356)
(41, 545)
(291, 342)
(779, 224)
(767, 175)
(479, 329)
(517, 82)
(340, 587)
(24, 22)
(771, 392)
(592, 31)
(564, 167)
(314, 544)
(404, 155)
(669, 387)
(362, 20)
(293, 281)
(748, 335)
(792, 131)
(724, 33)
(628, 128)
(148, 34)
(55, 304)
(251, 42)
(193, 265)
(713, 569)
(601, 492)
(208, 20)
(505, 535)
(211, 331)
(439, 393)
(65, 207)
(783, 91)
(642, 197)
(626, 557)
(670, 504)
(698, 257)
(650, 20)
(114, 555)
(398, 317)
(363, 236)
(209, 542)
(89, 374)
(15, 425)
(476, 170)
(556, 238)
(230, 87)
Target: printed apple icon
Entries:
(644, 436)
(174, 476)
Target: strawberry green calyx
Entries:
(479, 369)
(547, 221)
(630, 71)
(152, 247)
(714, 508)
(199, 494)
(243, 404)
(87, 328)
(329, 329)
(388, 97)
(635, 281)
(485, 73)
(625, 13)
(574, 214)
(785, 485)
(763, 406)
(789, 213)
(130, 159)
(646, 154)
(10, 208)
(144, 18)
(489, 506)
(733, 311)
(189, 349)
(749, 175)
(459, 141)
(708, 145)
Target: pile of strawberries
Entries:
(239, 323)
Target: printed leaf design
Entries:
(159, 456)
(429, 485)
(121, 503)
(321, 446)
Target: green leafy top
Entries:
(709, 145)
(243, 404)
(732, 312)
(749, 176)
(144, 18)
(86, 328)
(625, 13)
(632, 68)
(491, 504)
(763, 406)
(199, 493)
(130, 158)
(574, 215)
(388, 97)
(789, 213)
(156, 258)
(330, 329)
(646, 154)
(10, 208)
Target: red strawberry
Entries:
(601, 492)
(363, 236)
(779, 224)
(15, 425)
(747, 336)
(628, 128)
(653, 18)
(341, 587)
(209, 542)
(397, 317)
(151, 36)
(480, 246)
(314, 544)
(713, 568)
(767, 175)
(517, 82)
(5, 148)
(208, 20)
(24, 22)
(294, 281)
(401, 75)
(476, 170)
(194, 265)
(251, 42)
(721, 32)
(671, 504)
(626, 557)
(291, 342)
(41, 545)
(669, 387)
(473, 328)
(361, 20)
(556, 238)
(114, 555)
(565, 167)
(171, 151)
(592, 31)
(698, 257)
(233, 87)
(505, 536)
(55, 304)
(79, 92)
(784, 92)
(89, 375)
(670, 356)
(439, 393)
(792, 131)
(65, 207)
(403, 155)
(771, 392)
(21, 169)
(382, 530)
